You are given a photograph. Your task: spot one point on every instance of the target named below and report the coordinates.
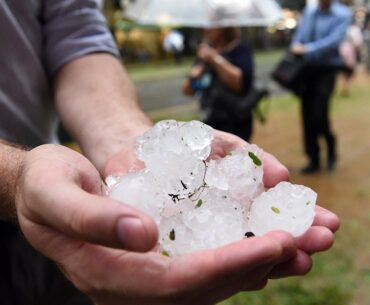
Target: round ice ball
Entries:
(140, 190)
(285, 207)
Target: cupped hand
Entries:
(320, 237)
(61, 193)
(96, 241)
(64, 214)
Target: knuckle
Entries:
(78, 222)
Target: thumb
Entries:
(92, 218)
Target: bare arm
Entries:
(98, 105)
(229, 74)
(11, 158)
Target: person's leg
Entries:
(325, 91)
(27, 277)
(310, 106)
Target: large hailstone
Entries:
(285, 207)
(174, 152)
(201, 204)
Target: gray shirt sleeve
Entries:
(72, 29)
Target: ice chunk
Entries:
(140, 190)
(209, 221)
(180, 175)
(174, 152)
(193, 138)
(202, 204)
(285, 207)
(239, 173)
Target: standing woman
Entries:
(223, 75)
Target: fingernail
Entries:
(132, 234)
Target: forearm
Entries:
(229, 74)
(11, 160)
(98, 105)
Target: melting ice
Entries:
(199, 203)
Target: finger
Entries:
(75, 204)
(327, 219)
(257, 285)
(301, 264)
(122, 163)
(274, 171)
(316, 239)
(255, 279)
(89, 267)
(93, 218)
(223, 143)
(222, 272)
(232, 261)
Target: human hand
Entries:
(208, 276)
(60, 196)
(319, 237)
(124, 159)
(63, 213)
(206, 53)
(196, 71)
(298, 49)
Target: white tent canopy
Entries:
(203, 13)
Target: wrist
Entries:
(218, 59)
(11, 164)
(114, 137)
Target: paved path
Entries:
(163, 92)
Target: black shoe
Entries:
(310, 168)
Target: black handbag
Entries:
(255, 95)
(288, 71)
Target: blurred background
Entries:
(342, 275)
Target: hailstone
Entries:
(200, 203)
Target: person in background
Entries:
(222, 75)
(62, 240)
(366, 34)
(319, 34)
(350, 51)
(174, 43)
